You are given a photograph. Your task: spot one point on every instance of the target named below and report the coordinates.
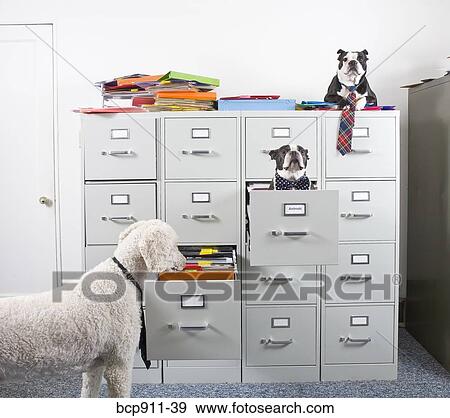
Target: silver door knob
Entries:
(44, 200)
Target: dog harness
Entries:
(143, 336)
(346, 124)
(302, 183)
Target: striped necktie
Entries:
(344, 142)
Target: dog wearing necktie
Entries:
(290, 171)
(351, 77)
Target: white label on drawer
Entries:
(120, 133)
(281, 132)
(359, 321)
(359, 196)
(360, 132)
(201, 197)
(120, 199)
(360, 259)
(294, 209)
(193, 301)
(200, 133)
(281, 322)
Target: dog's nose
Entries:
(353, 63)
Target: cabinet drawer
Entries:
(359, 334)
(360, 274)
(281, 336)
(110, 208)
(280, 285)
(198, 148)
(119, 147)
(96, 254)
(203, 212)
(292, 227)
(366, 210)
(373, 148)
(193, 320)
(264, 134)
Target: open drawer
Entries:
(293, 227)
(193, 320)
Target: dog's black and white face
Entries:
(352, 66)
(291, 161)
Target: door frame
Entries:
(55, 142)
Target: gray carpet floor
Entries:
(420, 375)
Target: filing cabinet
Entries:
(315, 296)
(198, 148)
(203, 212)
(119, 147)
(264, 134)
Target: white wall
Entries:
(254, 46)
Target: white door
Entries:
(27, 180)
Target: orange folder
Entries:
(126, 81)
(186, 94)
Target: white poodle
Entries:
(98, 337)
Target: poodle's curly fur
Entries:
(99, 338)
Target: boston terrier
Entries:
(290, 172)
(351, 72)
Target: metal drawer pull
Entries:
(269, 341)
(276, 279)
(130, 218)
(210, 216)
(362, 151)
(126, 152)
(202, 327)
(355, 340)
(349, 215)
(197, 152)
(276, 233)
(356, 278)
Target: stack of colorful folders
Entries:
(181, 91)
(125, 91)
(171, 91)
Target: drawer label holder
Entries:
(294, 209)
(192, 301)
(280, 322)
(359, 321)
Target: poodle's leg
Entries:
(92, 379)
(118, 377)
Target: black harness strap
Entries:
(143, 336)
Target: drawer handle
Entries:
(125, 152)
(277, 233)
(130, 218)
(202, 327)
(276, 279)
(355, 340)
(210, 216)
(355, 278)
(269, 341)
(197, 152)
(349, 215)
(362, 151)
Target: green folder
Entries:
(190, 77)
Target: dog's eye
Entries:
(345, 59)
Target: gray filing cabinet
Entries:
(316, 293)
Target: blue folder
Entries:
(260, 104)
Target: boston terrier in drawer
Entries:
(290, 171)
(351, 76)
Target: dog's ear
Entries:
(130, 229)
(306, 153)
(340, 51)
(158, 248)
(273, 153)
(364, 51)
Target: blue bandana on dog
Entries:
(301, 183)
